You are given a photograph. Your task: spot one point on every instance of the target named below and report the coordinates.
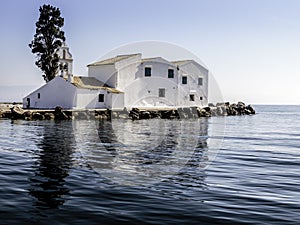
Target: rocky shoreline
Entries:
(15, 111)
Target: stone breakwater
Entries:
(220, 109)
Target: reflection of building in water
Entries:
(144, 149)
(56, 148)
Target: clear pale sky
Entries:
(252, 47)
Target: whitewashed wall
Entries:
(193, 71)
(104, 73)
(144, 91)
(127, 70)
(57, 92)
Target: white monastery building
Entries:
(123, 81)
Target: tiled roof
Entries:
(150, 59)
(92, 83)
(181, 62)
(113, 60)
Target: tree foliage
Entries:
(47, 40)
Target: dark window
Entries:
(64, 54)
(170, 73)
(200, 81)
(39, 95)
(147, 72)
(162, 92)
(184, 80)
(192, 98)
(201, 98)
(28, 103)
(101, 98)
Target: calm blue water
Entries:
(238, 170)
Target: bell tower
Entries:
(65, 61)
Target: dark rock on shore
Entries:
(59, 114)
(218, 109)
(17, 112)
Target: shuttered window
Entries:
(200, 81)
(162, 92)
(147, 72)
(101, 98)
(170, 73)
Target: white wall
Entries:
(89, 99)
(104, 73)
(127, 70)
(57, 92)
(117, 101)
(128, 76)
(193, 71)
(144, 91)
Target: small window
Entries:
(192, 98)
(101, 98)
(39, 95)
(147, 72)
(170, 73)
(64, 54)
(162, 92)
(184, 80)
(201, 98)
(200, 81)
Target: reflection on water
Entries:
(145, 151)
(52, 167)
(122, 151)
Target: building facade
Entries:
(124, 81)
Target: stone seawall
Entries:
(220, 109)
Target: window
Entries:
(170, 73)
(162, 92)
(101, 98)
(184, 80)
(147, 72)
(201, 98)
(200, 81)
(39, 95)
(192, 98)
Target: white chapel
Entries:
(123, 81)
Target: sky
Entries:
(251, 47)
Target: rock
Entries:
(250, 109)
(204, 113)
(240, 108)
(144, 115)
(194, 112)
(241, 105)
(27, 115)
(211, 105)
(17, 112)
(59, 114)
(37, 116)
(213, 111)
(6, 114)
(156, 114)
(49, 116)
(221, 111)
(166, 114)
(134, 114)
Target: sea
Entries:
(219, 170)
